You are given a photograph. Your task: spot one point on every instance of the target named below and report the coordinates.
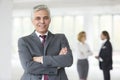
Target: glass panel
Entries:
(68, 25)
(56, 24)
(102, 22)
(16, 33)
(116, 28)
(96, 32)
(68, 28)
(27, 27)
(78, 24)
(21, 26)
(106, 23)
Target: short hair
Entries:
(81, 35)
(38, 8)
(106, 34)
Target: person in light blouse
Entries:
(83, 52)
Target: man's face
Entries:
(41, 21)
(102, 37)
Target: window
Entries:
(116, 32)
(69, 25)
(56, 24)
(111, 23)
(21, 26)
(79, 22)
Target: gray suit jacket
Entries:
(30, 46)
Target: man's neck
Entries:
(43, 33)
(104, 40)
(38, 33)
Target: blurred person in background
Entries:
(83, 52)
(105, 55)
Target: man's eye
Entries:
(46, 17)
(37, 18)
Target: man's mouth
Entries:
(42, 26)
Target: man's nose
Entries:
(42, 21)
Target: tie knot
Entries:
(43, 36)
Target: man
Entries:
(44, 55)
(105, 55)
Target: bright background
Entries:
(68, 17)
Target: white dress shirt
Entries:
(38, 34)
(83, 50)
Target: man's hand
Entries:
(97, 57)
(63, 51)
(38, 59)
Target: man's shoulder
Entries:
(59, 35)
(25, 37)
(108, 43)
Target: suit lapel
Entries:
(37, 42)
(103, 46)
(48, 40)
(106, 42)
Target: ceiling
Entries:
(27, 4)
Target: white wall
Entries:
(5, 39)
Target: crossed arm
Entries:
(28, 64)
(50, 64)
(40, 58)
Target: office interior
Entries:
(68, 17)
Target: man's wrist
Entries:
(41, 59)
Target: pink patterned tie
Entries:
(45, 77)
(43, 42)
(44, 38)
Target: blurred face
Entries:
(41, 21)
(103, 37)
(84, 38)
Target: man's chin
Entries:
(44, 31)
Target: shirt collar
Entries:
(81, 43)
(38, 34)
(104, 41)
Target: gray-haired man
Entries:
(44, 55)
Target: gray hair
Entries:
(38, 8)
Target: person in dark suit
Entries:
(44, 55)
(105, 55)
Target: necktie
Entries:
(43, 42)
(43, 39)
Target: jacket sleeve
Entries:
(60, 60)
(28, 64)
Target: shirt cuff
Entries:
(42, 60)
(100, 59)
